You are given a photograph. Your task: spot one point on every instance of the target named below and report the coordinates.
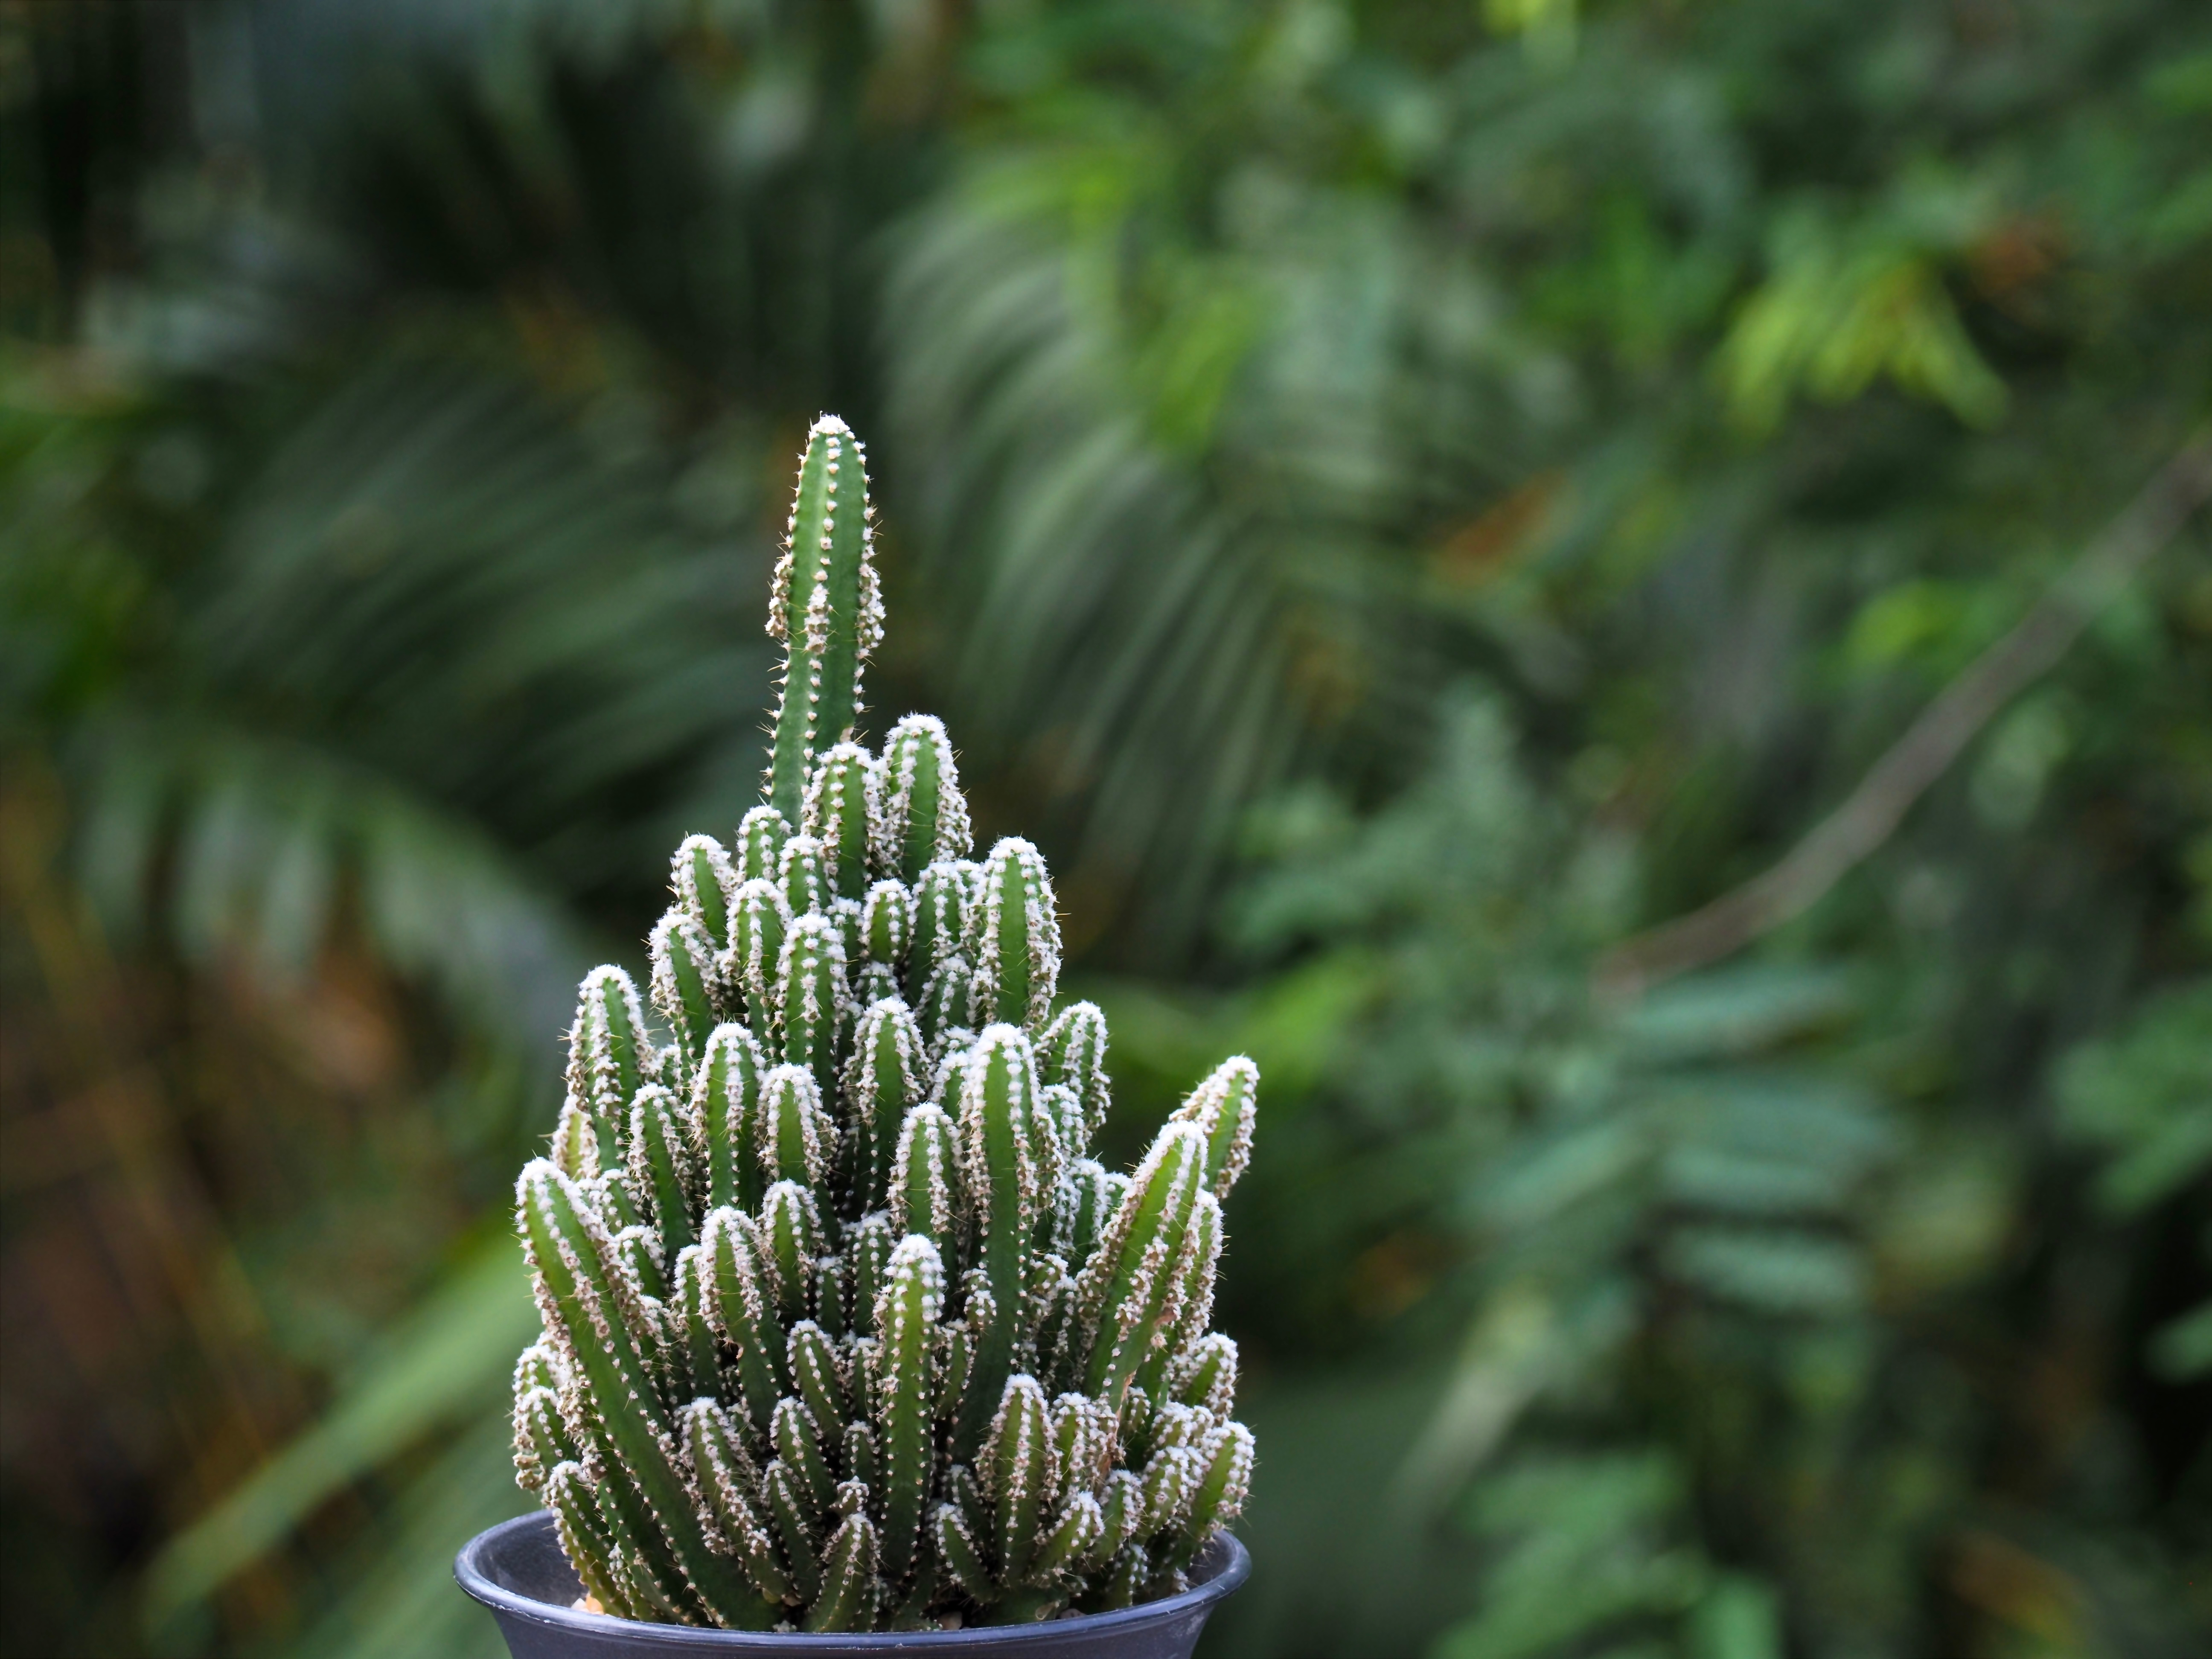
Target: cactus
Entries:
(843, 1327)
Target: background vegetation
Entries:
(1405, 500)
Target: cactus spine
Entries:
(843, 1330)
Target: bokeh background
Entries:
(1402, 499)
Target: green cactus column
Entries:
(824, 608)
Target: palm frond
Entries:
(446, 1365)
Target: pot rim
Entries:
(468, 1571)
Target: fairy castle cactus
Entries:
(843, 1328)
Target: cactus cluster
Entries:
(843, 1329)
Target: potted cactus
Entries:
(844, 1332)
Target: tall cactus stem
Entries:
(907, 1312)
(1222, 1108)
(997, 1097)
(840, 792)
(923, 818)
(848, 1600)
(761, 836)
(824, 608)
(725, 1117)
(883, 1081)
(703, 877)
(610, 1055)
(1013, 939)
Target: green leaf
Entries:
(444, 1363)
(1771, 1269)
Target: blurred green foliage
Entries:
(1452, 486)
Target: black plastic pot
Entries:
(517, 1569)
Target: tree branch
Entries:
(1873, 810)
